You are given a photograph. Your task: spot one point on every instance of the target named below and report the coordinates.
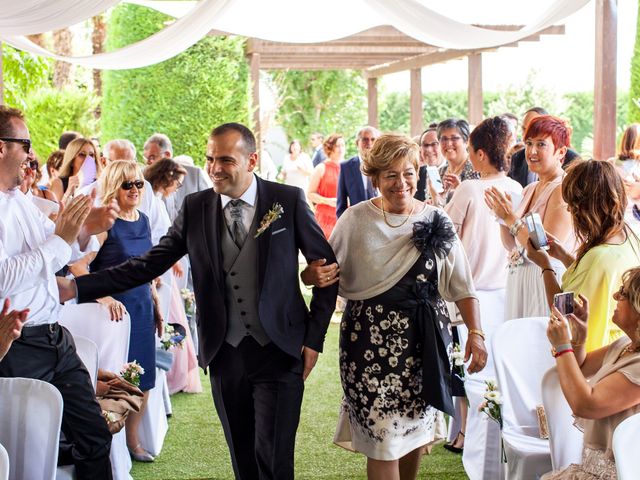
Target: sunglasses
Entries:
(26, 143)
(128, 185)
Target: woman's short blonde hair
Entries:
(631, 283)
(387, 150)
(114, 174)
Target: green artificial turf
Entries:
(195, 447)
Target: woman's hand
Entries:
(500, 203)
(437, 200)
(539, 257)
(476, 350)
(557, 250)
(10, 326)
(578, 320)
(177, 269)
(558, 331)
(116, 308)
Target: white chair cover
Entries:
(481, 455)
(30, 418)
(92, 321)
(154, 425)
(565, 440)
(4, 464)
(625, 448)
(88, 352)
(521, 357)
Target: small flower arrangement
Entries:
(458, 362)
(171, 338)
(515, 258)
(132, 372)
(189, 300)
(492, 402)
(271, 216)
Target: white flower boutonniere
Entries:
(271, 216)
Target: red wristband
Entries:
(562, 352)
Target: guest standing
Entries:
(73, 163)
(453, 135)
(399, 259)
(296, 167)
(323, 187)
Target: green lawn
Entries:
(195, 448)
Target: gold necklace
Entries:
(384, 214)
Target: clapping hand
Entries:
(72, 217)
(499, 202)
(10, 326)
(450, 181)
(101, 219)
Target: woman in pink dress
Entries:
(323, 186)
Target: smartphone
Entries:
(564, 302)
(435, 178)
(536, 231)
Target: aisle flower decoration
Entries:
(458, 362)
(189, 300)
(271, 216)
(491, 407)
(171, 337)
(132, 372)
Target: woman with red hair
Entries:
(546, 141)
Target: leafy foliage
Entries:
(23, 73)
(50, 112)
(183, 97)
(331, 101)
(634, 94)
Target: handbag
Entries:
(117, 398)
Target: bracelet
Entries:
(562, 352)
(547, 270)
(515, 228)
(475, 331)
(560, 348)
(575, 344)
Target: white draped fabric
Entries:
(625, 448)
(277, 20)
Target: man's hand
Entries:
(10, 326)
(101, 219)
(320, 275)
(309, 359)
(66, 288)
(72, 217)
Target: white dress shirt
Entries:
(30, 254)
(248, 205)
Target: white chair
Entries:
(625, 448)
(154, 426)
(87, 350)
(4, 464)
(30, 418)
(521, 357)
(92, 321)
(565, 440)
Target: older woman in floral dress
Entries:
(399, 261)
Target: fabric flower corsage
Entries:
(515, 259)
(438, 234)
(271, 216)
(132, 372)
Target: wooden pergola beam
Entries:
(372, 102)
(1, 78)
(604, 122)
(418, 61)
(475, 98)
(416, 101)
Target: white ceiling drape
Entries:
(296, 21)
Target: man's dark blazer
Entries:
(196, 231)
(350, 187)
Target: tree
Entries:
(23, 73)
(183, 97)
(634, 93)
(329, 101)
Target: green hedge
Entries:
(183, 97)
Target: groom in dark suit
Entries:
(353, 186)
(256, 335)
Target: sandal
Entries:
(451, 448)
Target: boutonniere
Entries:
(274, 213)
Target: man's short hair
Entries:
(538, 110)
(318, 135)
(121, 144)
(162, 141)
(248, 139)
(367, 128)
(6, 115)
(66, 138)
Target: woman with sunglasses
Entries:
(130, 236)
(80, 167)
(612, 393)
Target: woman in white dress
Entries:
(399, 261)
(296, 167)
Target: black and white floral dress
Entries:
(384, 413)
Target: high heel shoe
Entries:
(451, 448)
(141, 455)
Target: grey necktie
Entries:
(238, 232)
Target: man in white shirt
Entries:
(32, 249)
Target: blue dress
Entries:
(125, 240)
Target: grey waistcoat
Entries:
(240, 268)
